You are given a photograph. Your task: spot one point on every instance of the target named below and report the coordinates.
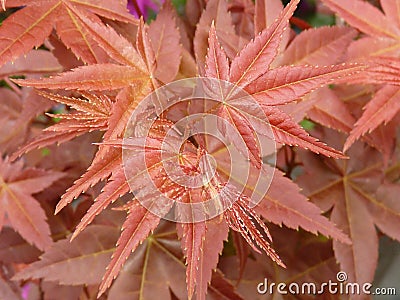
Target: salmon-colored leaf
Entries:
(318, 46)
(81, 261)
(255, 58)
(217, 11)
(217, 65)
(95, 77)
(350, 11)
(351, 188)
(266, 11)
(284, 196)
(157, 267)
(34, 22)
(288, 132)
(285, 84)
(26, 29)
(380, 109)
(165, 39)
(139, 224)
(23, 211)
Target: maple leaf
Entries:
(8, 289)
(96, 173)
(382, 37)
(53, 290)
(201, 249)
(351, 190)
(215, 10)
(23, 211)
(107, 161)
(93, 249)
(258, 88)
(217, 66)
(318, 46)
(158, 265)
(250, 70)
(31, 25)
(202, 242)
(23, 104)
(136, 71)
(14, 249)
(165, 40)
(91, 114)
(318, 264)
(141, 220)
(136, 67)
(265, 14)
(330, 111)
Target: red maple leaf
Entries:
(23, 211)
(31, 25)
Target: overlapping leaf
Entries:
(134, 66)
(23, 211)
(19, 107)
(83, 263)
(131, 72)
(202, 242)
(13, 248)
(250, 69)
(91, 114)
(382, 35)
(255, 58)
(351, 190)
(318, 46)
(156, 267)
(159, 270)
(165, 39)
(318, 265)
(217, 11)
(30, 26)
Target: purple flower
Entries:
(143, 7)
(25, 291)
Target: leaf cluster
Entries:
(327, 97)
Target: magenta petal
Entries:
(144, 7)
(25, 291)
